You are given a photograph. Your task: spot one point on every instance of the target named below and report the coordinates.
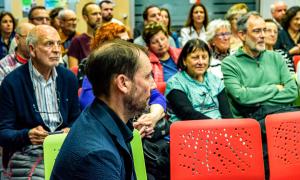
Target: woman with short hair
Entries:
(194, 93)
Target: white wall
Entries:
(265, 6)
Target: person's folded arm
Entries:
(242, 94)
(224, 106)
(182, 106)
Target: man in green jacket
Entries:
(257, 81)
(255, 77)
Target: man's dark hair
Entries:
(33, 9)
(84, 8)
(105, 1)
(110, 59)
(242, 21)
(145, 13)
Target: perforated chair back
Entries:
(296, 60)
(283, 137)
(216, 149)
(138, 156)
(52, 145)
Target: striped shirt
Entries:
(7, 65)
(47, 97)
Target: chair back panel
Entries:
(216, 149)
(52, 145)
(283, 137)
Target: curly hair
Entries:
(152, 29)
(106, 32)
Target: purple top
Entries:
(80, 47)
(87, 96)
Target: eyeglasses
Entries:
(71, 20)
(41, 18)
(223, 35)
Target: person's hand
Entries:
(280, 87)
(37, 135)
(66, 130)
(145, 125)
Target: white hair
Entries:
(273, 6)
(214, 26)
(61, 15)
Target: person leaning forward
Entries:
(120, 74)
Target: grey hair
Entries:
(242, 21)
(61, 15)
(214, 26)
(273, 6)
(32, 38)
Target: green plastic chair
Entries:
(138, 156)
(51, 146)
(53, 143)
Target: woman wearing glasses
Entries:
(193, 93)
(218, 36)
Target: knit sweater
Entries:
(252, 81)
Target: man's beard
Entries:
(107, 18)
(94, 26)
(134, 106)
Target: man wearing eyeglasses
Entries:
(67, 22)
(21, 53)
(257, 80)
(36, 99)
(38, 15)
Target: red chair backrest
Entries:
(296, 59)
(74, 70)
(216, 149)
(161, 87)
(283, 137)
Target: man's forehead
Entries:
(40, 12)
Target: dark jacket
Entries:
(97, 147)
(17, 112)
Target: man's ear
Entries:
(123, 83)
(31, 50)
(85, 17)
(242, 35)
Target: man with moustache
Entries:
(257, 81)
(80, 45)
(121, 76)
(35, 99)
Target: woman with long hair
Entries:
(7, 29)
(195, 25)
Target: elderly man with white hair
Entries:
(278, 10)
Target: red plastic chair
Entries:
(161, 87)
(216, 149)
(296, 59)
(74, 70)
(283, 137)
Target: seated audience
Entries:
(162, 57)
(80, 45)
(157, 101)
(35, 99)
(54, 20)
(107, 10)
(20, 55)
(232, 15)
(271, 38)
(278, 10)
(166, 20)
(289, 37)
(194, 93)
(67, 25)
(253, 76)
(218, 37)
(151, 14)
(257, 81)
(7, 32)
(98, 145)
(195, 25)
